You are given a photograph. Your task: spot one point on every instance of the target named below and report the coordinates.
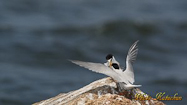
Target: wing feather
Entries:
(97, 67)
(132, 53)
(131, 57)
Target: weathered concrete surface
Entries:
(100, 92)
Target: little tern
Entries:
(124, 78)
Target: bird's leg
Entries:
(120, 89)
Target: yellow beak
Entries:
(110, 63)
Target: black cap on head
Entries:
(115, 65)
(109, 56)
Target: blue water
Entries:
(38, 37)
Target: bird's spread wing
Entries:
(131, 57)
(132, 53)
(96, 67)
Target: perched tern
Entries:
(124, 78)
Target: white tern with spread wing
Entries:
(124, 78)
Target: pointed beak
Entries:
(110, 63)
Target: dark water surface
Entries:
(38, 36)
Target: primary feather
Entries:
(131, 57)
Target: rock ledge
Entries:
(100, 92)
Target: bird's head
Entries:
(109, 58)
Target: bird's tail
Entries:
(133, 86)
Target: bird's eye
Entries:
(109, 56)
(115, 65)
